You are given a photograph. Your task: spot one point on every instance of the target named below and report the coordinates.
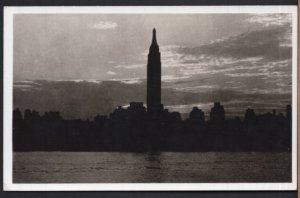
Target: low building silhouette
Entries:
(217, 114)
(197, 115)
(132, 129)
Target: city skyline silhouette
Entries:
(137, 128)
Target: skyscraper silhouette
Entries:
(154, 106)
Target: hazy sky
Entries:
(201, 53)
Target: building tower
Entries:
(154, 106)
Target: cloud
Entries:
(129, 80)
(271, 19)
(111, 73)
(269, 43)
(131, 66)
(111, 62)
(132, 81)
(89, 99)
(172, 78)
(255, 61)
(103, 25)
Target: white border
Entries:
(8, 88)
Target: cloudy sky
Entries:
(224, 55)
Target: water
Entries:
(110, 167)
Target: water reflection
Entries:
(154, 170)
(149, 166)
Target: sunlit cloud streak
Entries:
(103, 25)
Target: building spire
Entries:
(154, 37)
(154, 106)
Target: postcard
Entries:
(150, 98)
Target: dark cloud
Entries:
(87, 99)
(258, 61)
(269, 43)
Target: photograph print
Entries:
(175, 98)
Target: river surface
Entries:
(112, 167)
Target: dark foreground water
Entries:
(107, 167)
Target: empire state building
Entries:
(154, 106)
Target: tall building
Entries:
(154, 106)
